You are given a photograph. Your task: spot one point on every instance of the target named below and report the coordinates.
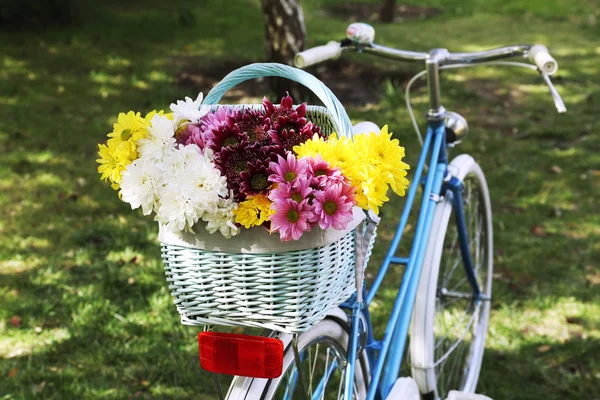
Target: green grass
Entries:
(83, 272)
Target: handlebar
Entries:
(360, 38)
(330, 51)
(538, 54)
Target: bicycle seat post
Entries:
(432, 63)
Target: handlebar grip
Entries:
(539, 55)
(331, 50)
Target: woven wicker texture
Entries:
(286, 291)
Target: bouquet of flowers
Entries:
(233, 169)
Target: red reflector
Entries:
(232, 354)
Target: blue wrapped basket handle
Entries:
(341, 122)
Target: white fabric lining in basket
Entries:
(256, 240)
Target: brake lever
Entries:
(558, 101)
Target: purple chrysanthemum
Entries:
(255, 180)
(254, 125)
(289, 126)
(232, 162)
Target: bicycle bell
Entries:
(360, 33)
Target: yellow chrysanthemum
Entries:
(338, 152)
(121, 148)
(128, 129)
(312, 147)
(263, 204)
(114, 158)
(253, 211)
(386, 154)
(152, 113)
(372, 162)
(372, 189)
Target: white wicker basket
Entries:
(254, 279)
(286, 291)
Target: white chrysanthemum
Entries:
(222, 218)
(140, 184)
(178, 163)
(209, 154)
(161, 138)
(189, 110)
(193, 187)
(176, 210)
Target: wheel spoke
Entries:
(322, 360)
(457, 260)
(341, 385)
(311, 365)
(327, 374)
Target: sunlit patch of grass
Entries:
(105, 78)
(29, 341)
(544, 321)
(158, 76)
(18, 265)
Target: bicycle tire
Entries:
(329, 332)
(429, 358)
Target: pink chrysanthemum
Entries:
(322, 173)
(191, 134)
(212, 122)
(332, 207)
(291, 219)
(298, 193)
(288, 170)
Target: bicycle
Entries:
(339, 356)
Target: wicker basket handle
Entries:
(341, 122)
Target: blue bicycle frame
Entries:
(385, 359)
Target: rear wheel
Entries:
(323, 355)
(449, 324)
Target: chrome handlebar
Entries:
(361, 36)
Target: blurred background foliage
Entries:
(85, 311)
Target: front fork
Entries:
(456, 187)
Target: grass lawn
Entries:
(84, 308)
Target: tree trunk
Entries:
(285, 32)
(386, 13)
